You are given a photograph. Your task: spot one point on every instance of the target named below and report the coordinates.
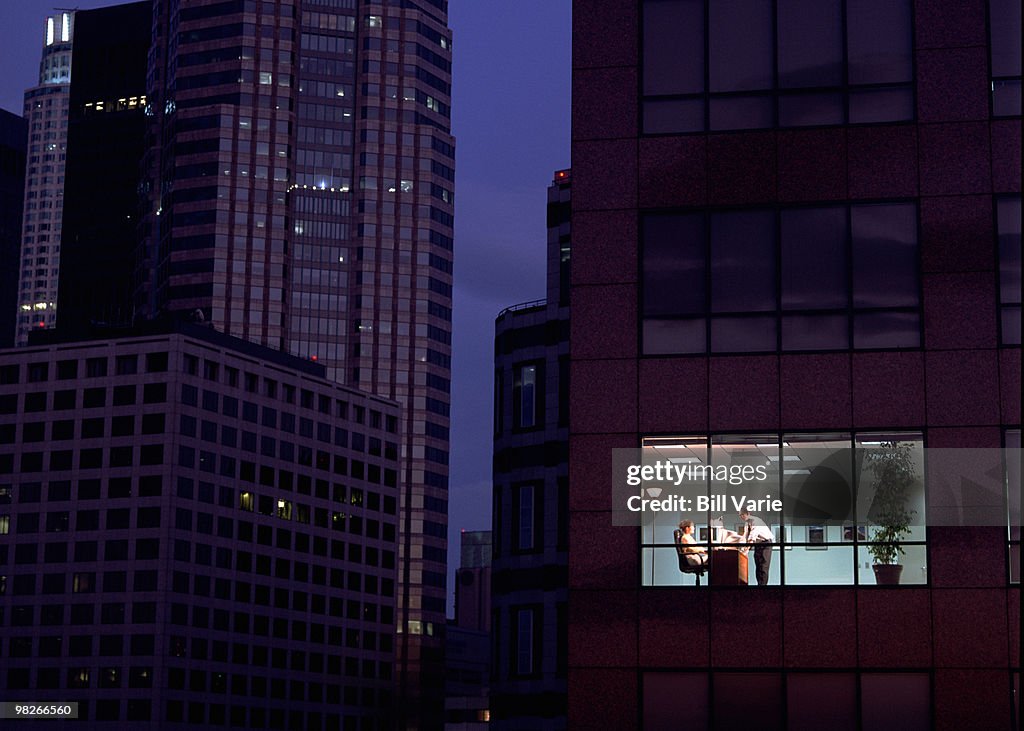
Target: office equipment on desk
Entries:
(728, 567)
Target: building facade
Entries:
(13, 145)
(799, 225)
(106, 136)
(196, 531)
(530, 500)
(299, 195)
(46, 110)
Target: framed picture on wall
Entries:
(861, 532)
(703, 534)
(783, 536)
(816, 538)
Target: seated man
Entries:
(694, 554)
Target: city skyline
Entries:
(500, 194)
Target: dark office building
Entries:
(105, 142)
(530, 515)
(195, 531)
(300, 184)
(797, 225)
(13, 143)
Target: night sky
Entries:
(510, 116)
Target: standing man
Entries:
(759, 535)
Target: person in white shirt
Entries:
(760, 535)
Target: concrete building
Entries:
(299, 189)
(13, 145)
(468, 640)
(195, 530)
(46, 110)
(530, 510)
(797, 224)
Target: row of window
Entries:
(735, 64)
(92, 398)
(795, 700)
(149, 455)
(829, 529)
(798, 279)
(157, 362)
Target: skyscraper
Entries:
(46, 109)
(798, 224)
(299, 195)
(105, 139)
(13, 141)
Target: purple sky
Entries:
(511, 120)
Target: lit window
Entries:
(526, 396)
(246, 501)
(284, 509)
(1013, 500)
(848, 510)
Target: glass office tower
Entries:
(299, 194)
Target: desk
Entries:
(728, 567)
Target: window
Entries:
(1008, 233)
(1004, 36)
(526, 641)
(808, 701)
(126, 365)
(526, 528)
(1013, 501)
(527, 402)
(795, 279)
(743, 64)
(829, 528)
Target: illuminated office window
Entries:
(831, 528)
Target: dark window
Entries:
(735, 64)
(95, 367)
(1004, 34)
(156, 362)
(67, 369)
(154, 393)
(1008, 231)
(94, 398)
(38, 372)
(847, 274)
(126, 365)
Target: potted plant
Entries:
(892, 464)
